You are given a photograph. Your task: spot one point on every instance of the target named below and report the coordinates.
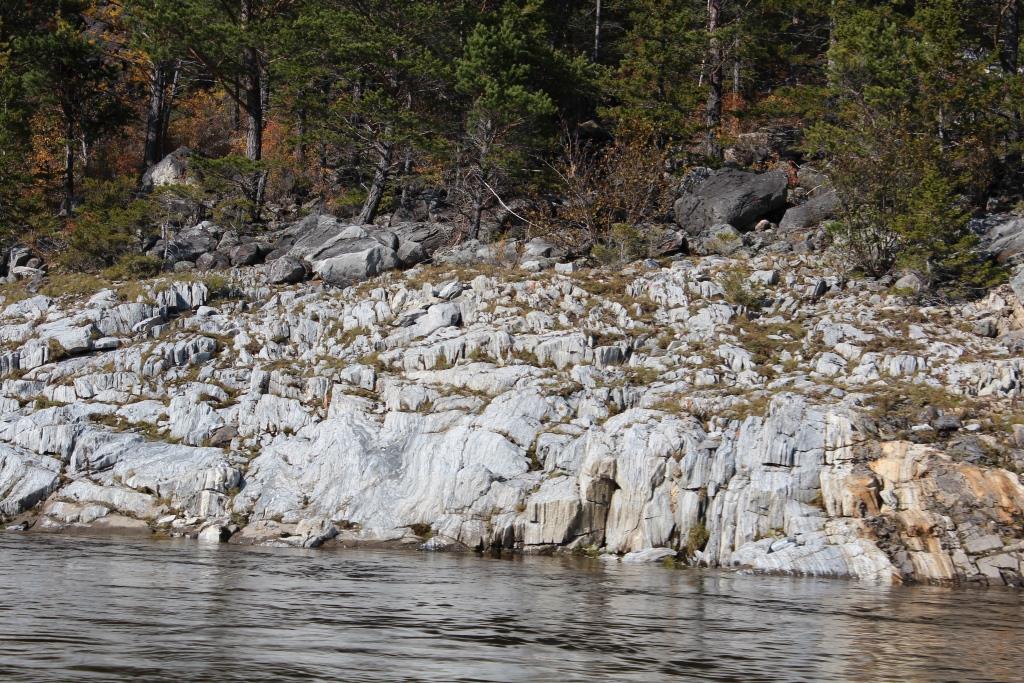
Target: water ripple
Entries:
(99, 610)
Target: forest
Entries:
(576, 119)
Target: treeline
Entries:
(588, 109)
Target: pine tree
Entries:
(64, 71)
(915, 136)
(657, 83)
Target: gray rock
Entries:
(410, 253)
(173, 169)
(25, 479)
(1002, 236)
(540, 248)
(812, 213)
(245, 254)
(450, 290)
(286, 270)
(190, 244)
(670, 243)
(946, 423)
(213, 260)
(312, 533)
(566, 268)
(649, 555)
(214, 533)
(909, 283)
(983, 544)
(430, 236)
(986, 327)
(365, 260)
(730, 196)
(221, 438)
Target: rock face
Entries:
(737, 198)
(641, 414)
(1002, 235)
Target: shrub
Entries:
(111, 223)
(134, 267)
(696, 539)
(236, 185)
(738, 291)
(610, 193)
(917, 119)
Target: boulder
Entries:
(213, 260)
(245, 254)
(812, 213)
(171, 170)
(538, 248)
(18, 257)
(410, 253)
(316, 231)
(352, 261)
(345, 254)
(813, 181)
(215, 533)
(649, 555)
(312, 533)
(738, 198)
(909, 283)
(190, 244)
(670, 243)
(285, 271)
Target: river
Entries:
(80, 609)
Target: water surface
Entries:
(86, 609)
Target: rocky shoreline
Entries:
(644, 413)
(741, 406)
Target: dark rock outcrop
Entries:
(738, 198)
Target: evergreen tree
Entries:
(508, 72)
(656, 85)
(915, 136)
(368, 85)
(63, 71)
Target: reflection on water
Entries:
(84, 609)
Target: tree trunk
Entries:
(165, 114)
(67, 205)
(484, 140)
(300, 135)
(252, 85)
(478, 212)
(154, 115)
(713, 109)
(380, 179)
(1009, 37)
(597, 30)
(406, 172)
